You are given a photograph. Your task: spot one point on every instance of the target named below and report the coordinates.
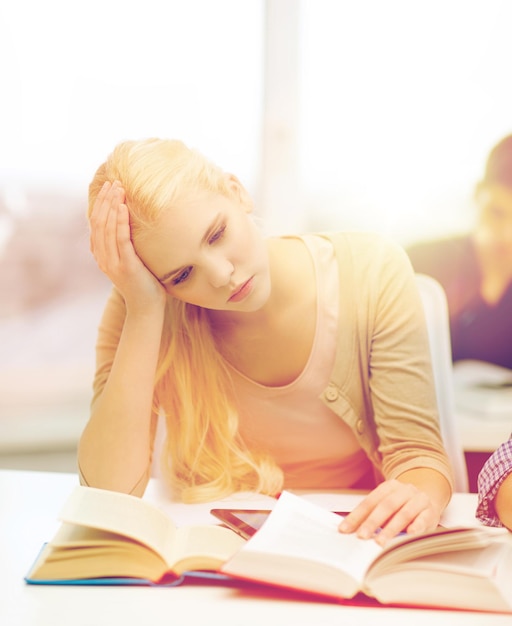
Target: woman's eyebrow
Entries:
(204, 240)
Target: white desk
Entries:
(30, 503)
(479, 437)
(481, 434)
(484, 416)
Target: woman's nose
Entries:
(220, 271)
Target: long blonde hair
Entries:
(204, 457)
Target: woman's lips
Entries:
(242, 292)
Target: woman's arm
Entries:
(115, 448)
(405, 424)
(495, 488)
(503, 504)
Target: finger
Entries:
(415, 516)
(365, 510)
(93, 215)
(422, 523)
(102, 194)
(110, 232)
(395, 525)
(123, 234)
(426, 521)
(104, 227)
(99, 214)
(103, 201)
(388, 510)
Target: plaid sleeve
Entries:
(497, 467)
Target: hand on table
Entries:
(392, 507)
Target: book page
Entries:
(474, 579)
(298, 529)
(203, 547)
(438, 542)
(120, 513)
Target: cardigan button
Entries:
(331, 394)
(360, 427)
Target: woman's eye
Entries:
(182, 277)
(217, 235)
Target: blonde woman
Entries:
(280, 362)
(475, 267)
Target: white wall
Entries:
(372, 114)
(399, 102)
(77, 77)
(367, 114)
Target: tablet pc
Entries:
(246, 521)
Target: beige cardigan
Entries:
(382, 384)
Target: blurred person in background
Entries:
(475, 269)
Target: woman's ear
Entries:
(239, 192)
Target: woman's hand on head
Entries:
(392, 507)
(112, 247)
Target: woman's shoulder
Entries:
(364, 239)
(366, 248)
(356, 237)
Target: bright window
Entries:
(77, 77)
(400, 103)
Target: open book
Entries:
(299, 547)
(113, 537)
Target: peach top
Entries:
(311, 444)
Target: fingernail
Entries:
(364, 533)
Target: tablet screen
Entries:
(246, 521)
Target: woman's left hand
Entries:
(392, 507)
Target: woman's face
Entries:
(494, 225)
(208, 252)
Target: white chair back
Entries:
(436, 314)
